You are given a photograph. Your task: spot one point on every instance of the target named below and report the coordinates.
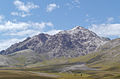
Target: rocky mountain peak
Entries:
(78, 28)
(69, 43)
(75, 30)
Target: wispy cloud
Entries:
(91, 20)
(9, 25)
(73, 4)
(106, 30)
(6, 43)
(76, 3)
(21, 14)
(110, 19)
(13, 26)
(1, 17)
(24, 9)
(52, 32)
(51, 7)
(28, 32)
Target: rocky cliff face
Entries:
(70, 43)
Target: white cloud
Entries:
(15, 13)
(76, 3)
(23, 25)
(7, 43)
(49, 24)
(91, 20)
(51, 7)
(52, 32)
(1, 17)
(25, 7)
(106, 30)
(13, 26)
(21, 14)
(110, 19)
(73, 4)
(42, 24)
(28, 32)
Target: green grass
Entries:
(14, 74)
(20, 73)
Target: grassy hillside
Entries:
(107, 56)
(14, 74)
(26, 57)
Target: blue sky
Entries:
(22, 18)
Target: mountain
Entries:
(106, 57)
(70, 43)
(6, 61)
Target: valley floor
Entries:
(46, 73)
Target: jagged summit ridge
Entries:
(76, 30)
(77, 27)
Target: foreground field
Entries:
(49, 73)
(14, 74)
